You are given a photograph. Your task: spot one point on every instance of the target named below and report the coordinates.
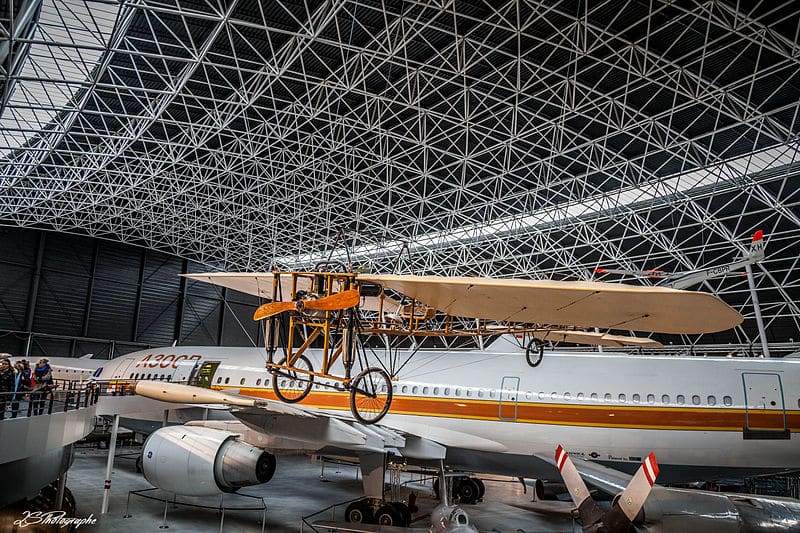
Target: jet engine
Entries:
(199, 461)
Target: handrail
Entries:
(47, 401)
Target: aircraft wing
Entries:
(568, 303)
(260, 284)
(595, 339)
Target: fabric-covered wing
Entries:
(260, 284)
(595, 339)
(568, 303)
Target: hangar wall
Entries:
(66, 295)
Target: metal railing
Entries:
(47, 401)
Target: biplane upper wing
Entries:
(595, 339)
(260, 284)
(568, 303)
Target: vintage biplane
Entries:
(338, 310)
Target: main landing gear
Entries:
(381, 512)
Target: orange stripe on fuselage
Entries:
(640, 417)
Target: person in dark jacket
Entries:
(22, 385)
(6, 384)
(42, 385)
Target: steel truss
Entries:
(504, 139)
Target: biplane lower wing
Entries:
(595, 339)
(583, 304)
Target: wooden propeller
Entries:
(334, 302)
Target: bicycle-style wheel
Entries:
(370, 395)
(291, 386)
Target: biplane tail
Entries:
(684, 279)
(627, 504)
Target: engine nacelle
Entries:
(199, 461)
(450, 519)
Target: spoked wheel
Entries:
(370, 395)
(291, 386)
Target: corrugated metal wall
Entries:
(65, 295)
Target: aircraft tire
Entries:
(389, 515)
(359, 512)
(405, 513)
(281, 376)
(370, 395)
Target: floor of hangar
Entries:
(296, 491)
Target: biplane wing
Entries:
(583, 304)
(595, 339)
(260, 284)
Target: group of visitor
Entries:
(18, 383)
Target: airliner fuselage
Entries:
(704, 417)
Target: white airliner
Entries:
(476, 410)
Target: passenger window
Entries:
(241, 382)
(149, 376)
(636, 398)
(227, 380)
(541, 395)
(580, 396)
(469, 393)
(680, 399)
(695, 400)
(567, 396)
(665, 399)
(425, 391)
(383, 387)
(607, 396)
(458, 392)
(414, 389)
(593, 396)
(132, 378)
(394, 388)
(491, 393)
(404, 389)
(712, 400)
(553, 395)
(621, 398)
(258, 383)
(651, 398)
(480, 393)
(219, 380)
(436, 391)
(727, 400)
(447, 391)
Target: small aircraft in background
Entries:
(688, 278)
(641, 505)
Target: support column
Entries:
(62, 483)
(762, 333)
(112, 448)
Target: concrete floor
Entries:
(295, 492)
